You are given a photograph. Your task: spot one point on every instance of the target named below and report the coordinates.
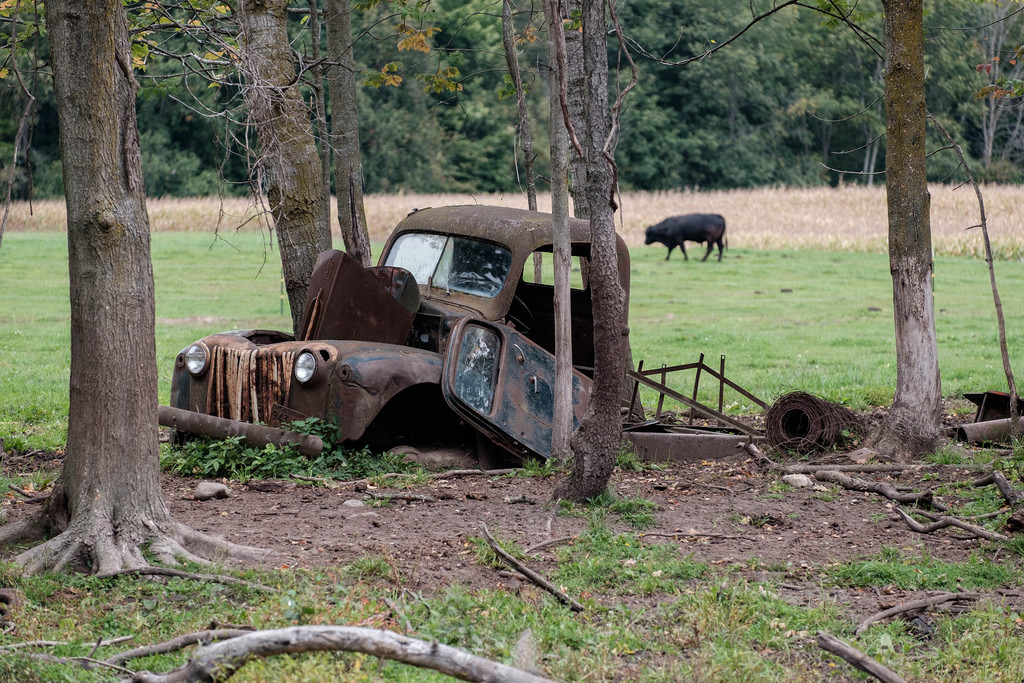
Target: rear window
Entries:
(452, 263)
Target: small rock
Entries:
(353, 503)
(208, 490)
(800, 481)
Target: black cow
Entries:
(695, 227)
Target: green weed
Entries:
(908, 570)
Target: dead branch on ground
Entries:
(175, 644)
(807, 468)
(695, 534)
(529, 573)
(943, 521)
(548, 543)
(881, 488)
(28, 495)
(411, 497)
(829, 643)
(57, 643)
(220, 661)
(913, 606)
(1012, 496)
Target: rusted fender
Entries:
(222, 428)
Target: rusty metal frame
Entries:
(643, 377)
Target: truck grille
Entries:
(244, 384)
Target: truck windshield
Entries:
(452, 263)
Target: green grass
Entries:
(821, 337)
(652, 614)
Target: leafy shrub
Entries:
(232, 458)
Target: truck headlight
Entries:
(305, 367)
(196, 357)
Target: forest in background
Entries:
(794, 101)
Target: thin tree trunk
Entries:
(596, 444)
(295, 188)
(512, 60)
(561, 430)
(319, 97)
(576, 86)
(348, 166)
(913, 423)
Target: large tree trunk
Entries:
(348, 165)
(107, 502)
(299, 202)
(913, 424)
(596, 443)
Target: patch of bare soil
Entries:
(725, 513)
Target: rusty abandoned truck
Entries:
(449, 340)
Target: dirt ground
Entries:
(727, 512)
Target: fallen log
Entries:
(220, 661)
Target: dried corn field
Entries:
(845, 219)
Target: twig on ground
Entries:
(28, 495)
(914, 605)
(943, 521)
(213, 578)
(529, 573)
(512, 500)
(548, 543)
(829, 643)
(174, 644)
(411, 497)
(329, 483)
(55, 643)
(695, 534)
(881, 488)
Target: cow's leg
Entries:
(682, 247)
(711, 247)
(669, 254)
(719, 250)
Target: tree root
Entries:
(220, 661)
(95, 544)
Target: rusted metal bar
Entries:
(720, 376)
(222, 428)
(636, 391)
(661, 397)
(686, 400)
(721, 385)
(732, 385)
(696, 384)
(672, 368)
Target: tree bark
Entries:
(106, 503)
(576, 103)
(561, 427)
(288, 157)
(348, 166)
(596, 444)
(220, 661)
(913, 424)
